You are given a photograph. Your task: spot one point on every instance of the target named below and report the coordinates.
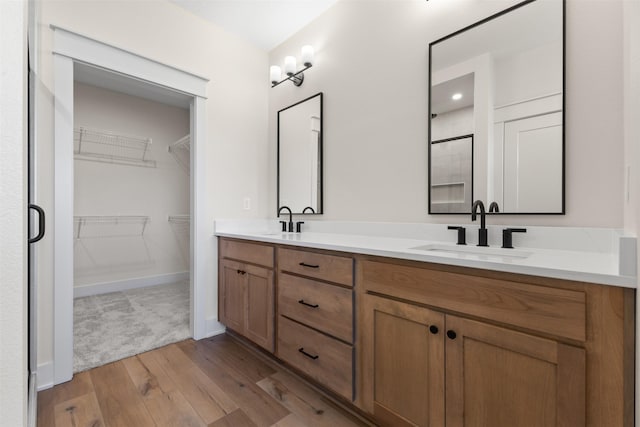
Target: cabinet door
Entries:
(403, 363)
(259, 304)
(232, 295)
(502, 378)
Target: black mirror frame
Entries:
(320, 157)
(564, 97)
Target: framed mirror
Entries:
(496, 113)
(300, 156)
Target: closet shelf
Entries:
(181, 151)
(179, 219)
(104, 146)
(109, 226)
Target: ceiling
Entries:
(441, 101)
(264, 23)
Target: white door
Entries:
(13, 213)
(533, 164)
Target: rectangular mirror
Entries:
(300, 156)
(496, 104)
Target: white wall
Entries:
(632, 143)
(13, 226)
(631, 114)
(236, 120)
(372, 62)
(529, 74)
(116, 189)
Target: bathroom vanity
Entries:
(413, 338)
(421, 332)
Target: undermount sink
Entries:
(477, 251)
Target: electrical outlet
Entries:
(246, 203)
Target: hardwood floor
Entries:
(215, 382)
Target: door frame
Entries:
(70, 47)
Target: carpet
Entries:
(113, 326)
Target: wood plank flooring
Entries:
(216, 382)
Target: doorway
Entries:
(71, 49)
(131, 218)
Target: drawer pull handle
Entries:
(309, 265)
(311, 356)
(307, 304)
(241, 272)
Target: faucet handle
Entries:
(284, 225)
(507, 238)
(298, 226)
(462, 233)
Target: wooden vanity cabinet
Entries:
(315, 317)
(437, 345)
(416, 359)
(501, 378)
(402, 356)
(442, 347)
(246, 290)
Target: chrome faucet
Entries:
(482, 233)
(493, 207)
(284, 224)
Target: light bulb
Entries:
(275, 74)
(307, 55)
(290, 65)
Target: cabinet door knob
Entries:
(433, 329)
(451, 334)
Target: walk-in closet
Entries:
(131, 218)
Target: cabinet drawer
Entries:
(322, 306)
(327, 360)
(558, 312)
(331, 268)
(248, 252)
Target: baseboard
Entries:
(123, 285)
(44, 377)
(213, 327)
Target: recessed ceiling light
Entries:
(456, 96)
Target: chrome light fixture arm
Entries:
(296, 78)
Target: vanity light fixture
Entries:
(456, 96)
(297, 77)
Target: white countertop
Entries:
(593, 267)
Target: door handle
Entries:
(41, 222)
